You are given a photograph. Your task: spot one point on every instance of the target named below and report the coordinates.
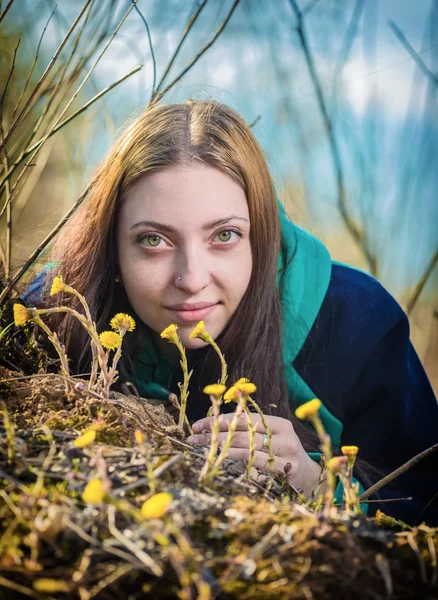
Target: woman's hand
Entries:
(286, 447)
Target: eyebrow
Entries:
(205, 227)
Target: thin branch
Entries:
(405, 467)
(422, 282)
(154, 64)
(350, 36)
(3, 15)
(186, 31)
(9, 79)
(357, 233)
(309, 7)
(32, 67)
(158, 96)
(420, 63)
(37, 144)
(43, 77)
(40, 248)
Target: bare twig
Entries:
(3, 15)
(421, 283)
(186, 31)
(151, 48)
(356, 232)
(159, 95)
(66, 121)
(420, 63)
(40, 248)
(43, 77)
(405, 467)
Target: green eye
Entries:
(225, 236)
(152, 240)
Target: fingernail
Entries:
(193, 439)
(198, 426)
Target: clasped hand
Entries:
(303, 473)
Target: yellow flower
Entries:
(245, 386)
(307, 410)
(170, 333)
(231, 395)
(44, 585)
(157, 506)
(139, 436)
(85, 439)
(337, 463)
(215, 389)
(123, 322)
(22, 314)
(349, 450)
(57, 286)
(201, 333)
(94, 492)
(110, 340)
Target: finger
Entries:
(275, 424)
(261, 459)
(240, 439)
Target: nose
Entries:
(193, 266)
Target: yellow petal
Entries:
(246, 388)
(94, 492)
(122, 322)
(22, 314)
(85, 439)
(44, 585)
(231, 395)
(215, 389)
(57, 285)
(170, 333)
(349, 450)
(139, 436)
(157, 506)
(308, 409)
(110, 340)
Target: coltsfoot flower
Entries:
(110, 340)
(139, 436)
(201, 333)
(58, 285)
(307, 410)
(94, 492)
(22, 314)
(157, 506)
(86, 439)
(46, 585)
(122, 322)
(349, 450)
(170, 333)
(231, 395)
(215, 389)
(245, 386)
(337, 463)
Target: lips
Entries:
(191, 306)
(192, 312)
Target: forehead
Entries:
(192, 194)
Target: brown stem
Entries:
(405, 467)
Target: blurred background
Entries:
(341, 94)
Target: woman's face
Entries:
(190, 222)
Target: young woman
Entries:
(181, 223)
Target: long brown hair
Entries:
(165, 136)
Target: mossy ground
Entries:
(236, 538)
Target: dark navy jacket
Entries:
(358, 357)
